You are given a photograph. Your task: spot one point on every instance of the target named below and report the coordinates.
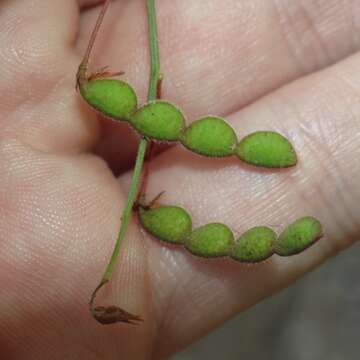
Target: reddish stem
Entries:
(81, 76)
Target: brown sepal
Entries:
(112, 314)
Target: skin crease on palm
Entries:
(283, 65)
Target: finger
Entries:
(217, 57)
(39, 105)
(319, 114)
(58, 222)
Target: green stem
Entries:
(126, 215)
(152, 93)
(115, 314)
(154, 51)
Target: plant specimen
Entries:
(210, 136)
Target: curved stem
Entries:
(112, 314)
(125, 218)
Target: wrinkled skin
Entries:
(283, 65)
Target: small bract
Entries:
(210, 136)
(254, 245)
(159, 120)
(211, 240)
(114, 98)
(267, 149)
(168, 223)
(298, 236)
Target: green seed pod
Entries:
(210, 136)
(298, 236)
(114, 98)
(159, 120)
(211, 240)
(267, 149)
(254, 245)
(168, 223)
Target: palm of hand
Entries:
(61, 204)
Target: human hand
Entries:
(61, 204)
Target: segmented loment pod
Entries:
(173, 224)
